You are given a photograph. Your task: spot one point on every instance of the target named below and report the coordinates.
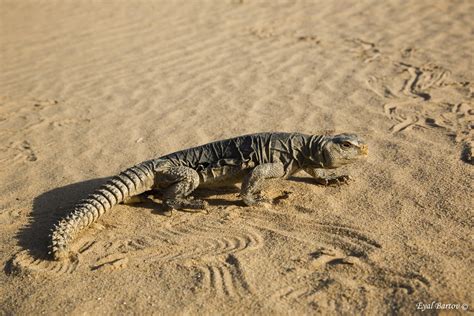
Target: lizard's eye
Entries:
(346, 144)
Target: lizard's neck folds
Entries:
(313, 152)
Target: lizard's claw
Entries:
(255, 200)
(334, 180)
(344, 179)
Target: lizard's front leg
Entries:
(321, 178)
(254, 180)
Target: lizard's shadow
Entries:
(199, 193)
(50, 206)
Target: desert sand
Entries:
(89, 88)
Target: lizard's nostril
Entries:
(364, 149)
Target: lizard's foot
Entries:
(334, 180)
(255, 200)
(180, 204)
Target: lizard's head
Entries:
(343, 149)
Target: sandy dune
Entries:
(88, 88)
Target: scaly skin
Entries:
(130, 182)
(249, 159)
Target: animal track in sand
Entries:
(299, 291)
(68, 122)
(224, 278)
(43, 103)
(332, 269)
(420, 80)
(210, 246)
(271, 30)
(23, 113)
(87, 246)
(262, 32)
(455, 119)
(367, 51)
(127, 245)
(187, 240)
(19, 151)
(312, 39)
(427, 97)
(423, 78)
(111, 262)
(12, 105)
(24, 262)
(27, 152)
(380, 87)
(347, 267)
(342, 264)
(346, 237)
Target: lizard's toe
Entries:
(256, 200)
(201, 204)
(345, 179)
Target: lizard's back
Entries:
(225, 161)
(252, 148)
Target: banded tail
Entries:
(133, 181)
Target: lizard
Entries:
(249, 159)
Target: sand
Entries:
(88, 88)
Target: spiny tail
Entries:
(133, 181)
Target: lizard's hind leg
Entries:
(253, 181)
(180, 182)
